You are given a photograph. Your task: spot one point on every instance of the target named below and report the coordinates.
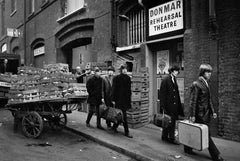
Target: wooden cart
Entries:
(32, 114)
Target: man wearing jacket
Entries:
(170, 103)
(94, 89)
(201, 107)
(122, 96)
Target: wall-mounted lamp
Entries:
(124, 17)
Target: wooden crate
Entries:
(133, 114)
(136, 86)
(30, 95)
(135, 126)
(136, 105)
(136, 96)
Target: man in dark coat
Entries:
(94, 89)
(201, 107)
(170, 103)
(107, 88)
(122, 96)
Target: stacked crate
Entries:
(33, 84)
(137, 116)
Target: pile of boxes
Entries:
(33, 84)
(138, 115)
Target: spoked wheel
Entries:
(32, 124)
(58, 121)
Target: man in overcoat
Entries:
(107, 89)
(170, 103)
(122, 96)
(201, 107)
(94, 89)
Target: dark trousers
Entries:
(169, 132)
(213, 150)
(91, 111)
(125, 124)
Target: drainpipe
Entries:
(24, 34)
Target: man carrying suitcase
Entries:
(201, 107)
(170, 103)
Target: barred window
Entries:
(136, 26)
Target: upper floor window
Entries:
(72, 5)
(13, 5)
(4, 48)
(31, 6)
(135, 26)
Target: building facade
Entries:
(159, 34)
(51, 31)
(142, 33)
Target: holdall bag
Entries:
(103, 109)
(194, 135)
(114, 115)
(162, 120)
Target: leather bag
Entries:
(162, 120)
(114, 115)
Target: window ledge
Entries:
(130, 47)
(61, 19)
(13, 13)
(30, 15)
(45, 4)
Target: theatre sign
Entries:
(165, 18)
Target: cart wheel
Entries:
(32, 124)
(58, 122)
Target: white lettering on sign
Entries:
(39, 51)
(166, 18)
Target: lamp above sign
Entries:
(165, 18)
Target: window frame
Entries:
(31, 6)
(13, 6)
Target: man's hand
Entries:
(192, 119)
(214, 115)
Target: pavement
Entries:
(146, 144)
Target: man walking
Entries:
(170, 103)
(122, 96)
(107, 90)
(201, 107)
(94, 89)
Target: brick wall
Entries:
(228, 20)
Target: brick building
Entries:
(143, 33)
(66, 31)
(158, 34)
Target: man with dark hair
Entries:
(201, 107)
(94, 88)
(107, 90)
(122, 96)
(170, 103)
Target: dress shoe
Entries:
(164, 139)
(100, 127)
(128, 135)
(220, 159)
(114, 130)
(189, 152)
(173, 142)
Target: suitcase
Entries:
(193, 135)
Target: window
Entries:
(31, 6)
(72, 5)
(136, 26)
(4, 48)
(13, 5)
